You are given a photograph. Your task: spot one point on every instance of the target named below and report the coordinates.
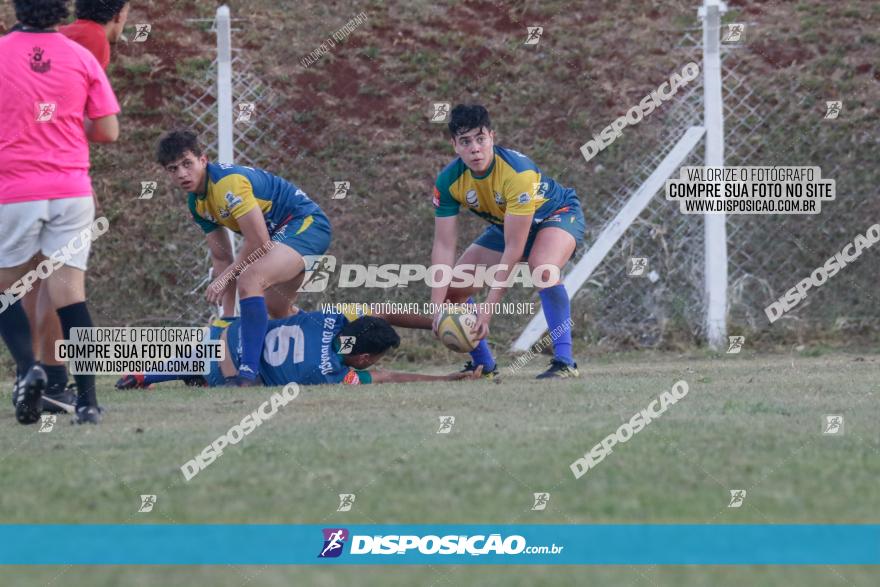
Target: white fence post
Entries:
(715, 227)
(225, 141)
(225, 147)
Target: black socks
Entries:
(77, 316)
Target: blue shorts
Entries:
(569, 218)
(307, 236)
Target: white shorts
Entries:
(46, 226)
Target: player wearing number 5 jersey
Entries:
(308, 348)
(312, 348)
(267, 211)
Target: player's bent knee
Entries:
(249, 284)
(545, 273)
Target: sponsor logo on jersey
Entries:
(327, 336)
(232, 200)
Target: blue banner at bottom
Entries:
(635, 544)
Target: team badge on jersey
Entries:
(499, 199)
(524, 198)
(471, 198)
(231, 202)
(435, 199)
(351, 378)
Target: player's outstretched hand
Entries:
(475, 374)
(481, 328)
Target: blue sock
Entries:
(150, 378)
(482, 355)
(254, 323)
(16, 332)
(557, 310)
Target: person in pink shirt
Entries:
(99, 23)
(54, 99)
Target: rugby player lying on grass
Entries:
(307, 348)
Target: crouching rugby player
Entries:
(267, 211)
(530, 216)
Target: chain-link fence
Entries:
(768, 121)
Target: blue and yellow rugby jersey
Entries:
(234, 190)
(512, 185)
(301, 349)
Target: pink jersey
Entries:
(47, 84)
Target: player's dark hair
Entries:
(174, 145)
(100, 11)
(465, 117)
(40, 14)
(372, 335)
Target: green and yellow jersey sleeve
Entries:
(520, 192)
(444, 203)
(232, 191)
(203, 218)
(233, 195)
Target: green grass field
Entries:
(749, 422)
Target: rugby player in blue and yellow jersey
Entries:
(531, 217)
(307, 348)
(266, 210)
